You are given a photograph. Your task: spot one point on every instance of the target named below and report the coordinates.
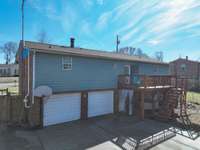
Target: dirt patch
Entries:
(193, 111)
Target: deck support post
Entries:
(127, 103)
(153, 103)
(116, 101)
(141, 105)
(84, 105)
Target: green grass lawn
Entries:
(193, 97)
(12, 90)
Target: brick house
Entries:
(185, 68)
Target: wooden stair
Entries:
(166, 111)
(176, 98)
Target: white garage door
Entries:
(61, 108)
(100, 103)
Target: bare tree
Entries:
(42, 37)
(133, 52)
(139, 52)
(159, 56)
(127, 50)
(9, 50)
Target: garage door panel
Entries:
(61, 108)
(100, 103)
(62, 104)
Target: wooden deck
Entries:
(150, 82)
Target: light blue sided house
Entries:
(83, 81)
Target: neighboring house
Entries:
(71, 71)
(185, 68)
(9, 70)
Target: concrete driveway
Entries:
(103, 133)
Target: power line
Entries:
(22, 27)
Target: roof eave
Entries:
(100, 57)
(53, 49)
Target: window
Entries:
(9, 71)
(127, 70)
(135, 69)
(67, 63)
(4, 71)
(183, 67)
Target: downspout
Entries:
(33, 80)
(23, 46)
(26, 97)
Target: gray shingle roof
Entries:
(56, 49)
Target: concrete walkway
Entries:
(179, 143)
(104, 133)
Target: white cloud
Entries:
(129, 34)
(36, 4)
(153, 42)
(103, 20)
(120, 10)
(51, 13)
(174, 14)
(114, 14)
(168, 19)
(100, 2)
(138, 21)
(68, 18)
(47, 9)
(86, 28)
(177, 17)
(140, 17)
(87, 4)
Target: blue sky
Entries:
(171, 26)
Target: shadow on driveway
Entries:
(108, 132)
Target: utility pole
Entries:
(22, 10)
(117, 44)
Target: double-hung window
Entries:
(66, 63)
(183, 67)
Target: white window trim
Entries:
(63, 57)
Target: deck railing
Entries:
(151, 81)
(146, 81)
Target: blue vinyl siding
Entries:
(86, 73)
(153, 69)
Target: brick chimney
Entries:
(72, 40)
